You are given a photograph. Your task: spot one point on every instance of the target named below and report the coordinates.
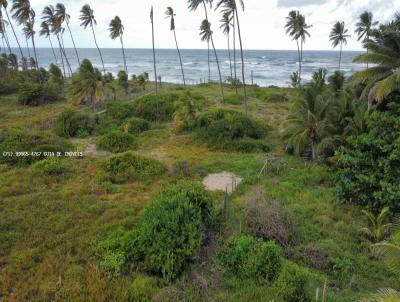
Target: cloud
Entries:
(300, 3)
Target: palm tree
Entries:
(231, 7)
(117, 31)
(3, 25)
(226, 29)
(45, 32)
(193, 5)
(61, 14)
(338, 36)
(88, 19)
(383, 78)
(365, 27)
(206, 35)
(4, 4)
(23, 13)
(296, 27)
(378, 229)
(170, 14)
(305, 124)
(154, 57)
(87, 85)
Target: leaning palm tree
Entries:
(170, 14)
(23, 13)
(338, 36)
(194, 5)
(154, 59)
(383, 78)
(61, 14)
(231, 6)
(3, 31)
(365, 27)
(88, 19)
(206, 35)
(4, 4)
(226, 23)
(297, 27)
(45, 32)
(116, 29)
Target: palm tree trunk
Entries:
(34, 51)
(98, 48)
(301, 58)
(219, 71)
(27, 47)
(52, 48)
(242, 57)
(180, 58)
(7, 41)
(234, 51)
(73, 42)
(61, 54)
(65, 56)
(229, 54)
(340, 54)
(313, 150)
(298, 54)
(15, 35)
(123, 54)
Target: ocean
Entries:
(269, 67)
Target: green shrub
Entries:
(72, 123)
(146, 107)
(132, 167)
(230, 130)
(142, 289)
(52, 166)
(291, 285)
(249, 258)
(233, 99)
(169, 236)
(19, 141)
(278, 98)
(181, 169)
(117, 141)
(136, 125)
(119, 111)
(35, 94)
(367, 167)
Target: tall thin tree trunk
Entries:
(208, 60)
(180, 58)
(73, 42)
(65, 56)
(340, 54)
(52, 48)
(299, 57)
(61, 55)
(98, 48)
(34, 51)
(15, 35)
(246, 109)
(27, 47)
(123, 54)
(219, 71)
(5, 36)
(229, 54)
(234, 51)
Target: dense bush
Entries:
(19, 141)
(291, 285)
(35, 94)
(136, 125)
(52, 166)
(368, 171)
(181, 169)
(248, 257)
(169, 236)
(117, 141)
(230, 130)
(147, 107)
(269, 220)
(72, 123)
(119, 111)
(132, 167)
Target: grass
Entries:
(50, 227)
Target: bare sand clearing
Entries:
(222, 181)
(89, 147)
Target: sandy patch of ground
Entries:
(222, 181)
(88, 146)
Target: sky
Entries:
(262, 22)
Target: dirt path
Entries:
(222, 181)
